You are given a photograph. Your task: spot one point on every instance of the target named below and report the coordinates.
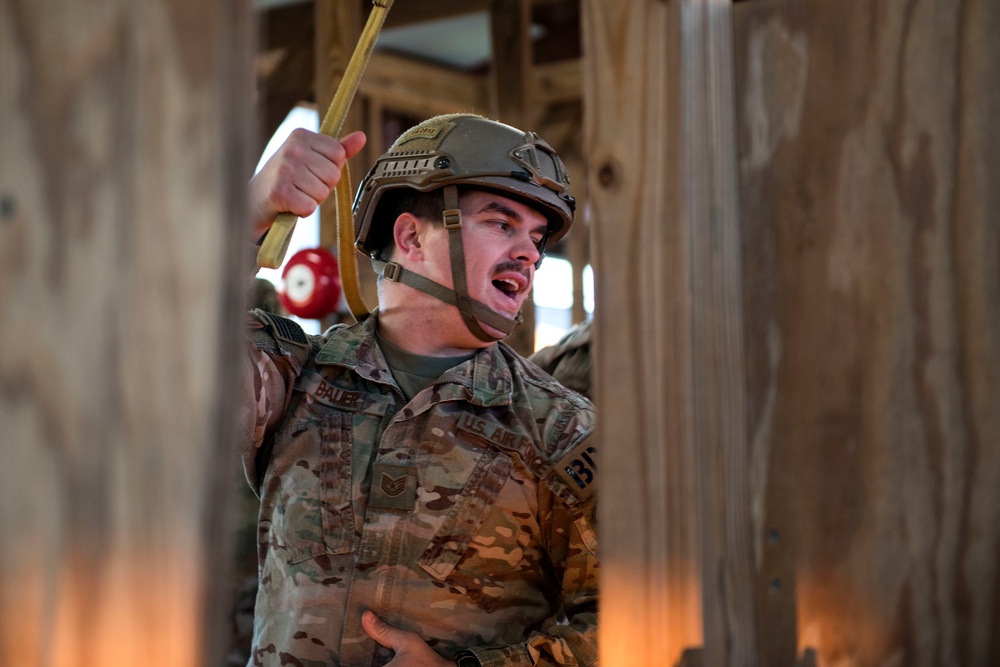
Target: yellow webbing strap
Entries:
(347, 256)
(275, 245)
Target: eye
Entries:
(502, 225)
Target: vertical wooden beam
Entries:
(511, 82)
(711, 216)
(578, 254)
(667, 242)
(510, 91)
(374, 122)
(124, 129)
(640, 243)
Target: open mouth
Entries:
(508, 287)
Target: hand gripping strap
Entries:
(275, 244)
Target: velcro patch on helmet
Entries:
(420, 133)
(426, 136)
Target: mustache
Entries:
(515, 266)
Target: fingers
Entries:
(409, 648)
(324, 156)
(310, 168)
(353, 143)
(300, 175)
(382, 632)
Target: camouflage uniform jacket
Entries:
(569, 360)
(466, 515)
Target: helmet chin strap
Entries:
(472, 311)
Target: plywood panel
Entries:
(869, 164)
(123, 129)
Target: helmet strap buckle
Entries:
(391, 271)
(452, 218)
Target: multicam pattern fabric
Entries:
(569, 360)
(466, 515)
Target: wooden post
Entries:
(511, 81)
(643, 363)
(124, 129)
(510, 89)
(710, 216)
(823, 361)
(578, 254)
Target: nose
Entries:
(525, 250)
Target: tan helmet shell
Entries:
(465, 149)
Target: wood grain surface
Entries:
(650, 551)
(123, 163)
(848, 312)
(870, 164)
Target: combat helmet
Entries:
(468, 150)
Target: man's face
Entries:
(501, 238)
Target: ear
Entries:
(407, 233)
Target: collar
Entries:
(484, 380)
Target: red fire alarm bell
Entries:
(311, 284)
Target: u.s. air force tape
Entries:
(578, 470)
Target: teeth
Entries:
(507, 286)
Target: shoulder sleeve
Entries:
(568, 509)
(569, 361)
(570, 535)
(276, 350)
(567, 514)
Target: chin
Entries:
(508, 309)
(470, 340)
(496, 333)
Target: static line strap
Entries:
(347, 262)
(274, 245)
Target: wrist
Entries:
(466, 658)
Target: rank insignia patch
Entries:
(394, 487)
